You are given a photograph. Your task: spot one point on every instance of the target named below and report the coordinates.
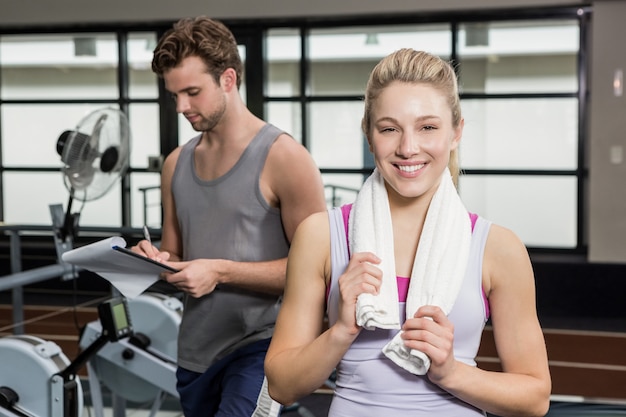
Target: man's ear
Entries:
(228, 79)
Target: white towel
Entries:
(438, 269)
(265, 405)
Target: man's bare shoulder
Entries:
(288, 156)
(170, 160)
(286, 143)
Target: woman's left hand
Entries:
(431, 332)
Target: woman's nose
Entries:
(409, 144)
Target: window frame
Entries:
(252, 35)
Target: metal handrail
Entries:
(334, 200)
(18, 278)
(144, 191)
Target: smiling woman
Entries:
(397, 350)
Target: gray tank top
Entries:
(226, 218)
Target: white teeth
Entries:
(410, 168)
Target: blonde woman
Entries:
(446, 272)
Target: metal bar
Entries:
(8, 282)
(17, 293)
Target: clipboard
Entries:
(129, 272)
(126, 251)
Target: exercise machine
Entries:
(38, 380)
(142, 367)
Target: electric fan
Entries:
(95, 155)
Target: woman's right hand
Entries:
(361, 276)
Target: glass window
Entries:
(48, 188)
(513, 131)
(142, 81)
(341, 59)
(144, 133)
(146, 199)
(58, 66)
(32, 207)
(336, 140)
(102, 211)
(341, 189)
(512, 201)
(30, 127)
(285, 116)
(514, 57)
(283, 62)
(520, 133)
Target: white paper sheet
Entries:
(130, 275)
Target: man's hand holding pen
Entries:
(147, 249)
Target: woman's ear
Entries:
(369, 144)
(458, 133)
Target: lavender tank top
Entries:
(368, 383)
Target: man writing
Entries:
(232, 198)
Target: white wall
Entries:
(607, 172)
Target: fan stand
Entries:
(69, 228)
(65, 228)
(70, 225)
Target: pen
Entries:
(146, 233)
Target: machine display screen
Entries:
(114, 318)
(119, 316)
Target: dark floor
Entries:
(316, 405)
